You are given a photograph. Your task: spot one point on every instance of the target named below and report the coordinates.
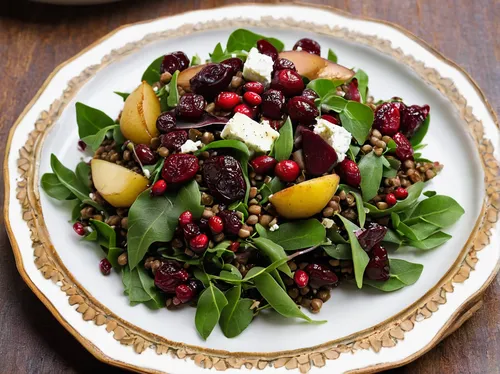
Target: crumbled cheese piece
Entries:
(327, 223)
(338, 137)
(258, 137)
(190, 146)
(258, 67)
(274, 227)
(91, 195)
(298, 49)
(146, 173)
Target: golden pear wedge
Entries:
(186, 75)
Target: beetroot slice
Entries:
(319, 156)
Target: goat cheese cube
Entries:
(189, 146)
(258, 137)
(258, 67)
(338, 137)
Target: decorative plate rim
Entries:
(297, 359)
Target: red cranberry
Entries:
(252, 98)
(185, 218)
(232, 223)
(105, 266)
(169, 64)
(224, 178)
(179, 168)
(216, 225)
(145, 154)
(174, 140)
(267, 49)
(309, 94)
(244, 109)
(191, 230)
(81, 145)
(331, 119)
(256, 87)
(159, 188)
(412, 118)
(272, 103)
(169, 275)
(378, 266)
(227, 100)
(233, 63)
(387, 118)
(308, 45)
(199, 243)
(349, 172)
(287, 170)
(302, 110)
(288, 81)
(352, 91)
(165, 122)
(371, 235)
(390, 199)
(79, 228)
(182, 58)
(320, 276)
(301, 278)
(401, 193)
(283, 63)
(404, 150)
(212, 79)
(234, 246)
(263, 164)
(184, 293)
(191, 106)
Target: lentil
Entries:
(123, 259)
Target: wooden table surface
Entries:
(34, 39)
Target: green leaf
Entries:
(270, 188)
(118, 136)
(325, 88)
(298, 234)
(82, 172)
(217, 53)
(430, 193)
(423, 230)
(94, 141)
(210, 305)
(419, 135)
(123, 95)
(155, 170)
(359, 256)
(195, 60)
(414, 192)
(392, 237)
(236, 315)
(105, 231)
(90, 120)
(155, 219)
(332, 56)
(339, 251)
(430, 242)
(274, 252)
(229, 268)
(141, 287)
(76, 211)
(112, 256)
(402, 273)
(242, 39)
(334, 235)
(334, 102)
(370, 167)
(152, 73)
(362, 78)
(439, 210)
(54, 188)
(283, 145)
(357, 118)
(173, 93)
(359, 203)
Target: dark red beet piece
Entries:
(412, 118)
(308, 45)
(267, 49)
(212, 79)
(302, 110)
(179, 168)
(320, 275)
(371, 235)
(169, 275)
(319, 156)
(378, 266)
(352, 91)
(224, 178)
(387, 118)
(404, 150)
(174, 140)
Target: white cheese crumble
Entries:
(338, 137)
(258, 137)
(91, 195)
(274, 227)
(327, 223)
(258, 67)
(190, 146)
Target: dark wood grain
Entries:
(34, 39)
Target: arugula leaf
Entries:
(403, 273)
(90, 120)
(339, 251)
(242, 39)
(267, 189)
(419, 135)
(210, 305)
(332, 56)
(152, 72)
(173, 93)
(236, 315)
(359, 203)
(362, 78)
(195, 60)
(298, 234)
(283, 145)
(217, 53)
(357, 118)
(274, 252)
(414, 192)
(370, 167)
(438, 210)
(94, 141)
(55, 189)
(123, 95)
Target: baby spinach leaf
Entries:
(392, 237)
(362, 78)
(112, 256)
(54, 188)
(76, 211)
(414, 192)
(152, 72)
(298, 234)
(431, 241)
(419, 135)
(359, 256)
(334, 102)
(370, 167)
(357, 118)
(423, 230)
(334, 235)
(90, 120)
(94, 141)
(242, 39)
(106, 232)
(430, 193)
(118, 136)
(332, 56)
(359, 203)
(236, 315)
(82, 172)
(283, 146)
(274, 252)
(326, 88)
(195, 60)
(267, 189)
(339, 251)
(173, 93)
(217, 53)
(141, 288)
(123, 95)
(210, 305)
(155, 219)
(439, 210)
(229, 268)
(403, 273)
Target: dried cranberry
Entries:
(263, 164)
(371, 235)
(287, 170)
(331, 119)
(283, 63)
(169, 64)
(251, 98)
(184, 293)
(165, 122)
(182, 58)
(145, 154)
(378, 266)
(234, 63)
(216, 225)
(79, 228)
(412, 118)
(390, 199)
(199, 243)
(352, 91)
(169, 275)
(179, 168)
(227, 100)
(244, 109)
(256, 87)
(308, 45)
(81, 145)
(195, 286)
(185, 218)
(159, 188)
(401, 193)
(301, 278)
(272, 103)
(387, 118)
(309, 94)
(319, 156)
(191, 106)
(267, 49)
(288, 81)
(404, 150)
(302, 110)
(174, 140)
(349, 172)
(320, 275)
(232, 223)
(105, 266)
(212, 79)
(224, 178)
(190, 230)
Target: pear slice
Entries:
(186, 75)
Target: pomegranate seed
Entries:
(256, 87)
(234, 246)
(308, 45)
(267, 49)
(145, 154)
(185, 218)
(159, 188)
(390, 199)
(301, 278)
(401, 193)
(184, 293)
(244, 109)
(263, 164)
(79, 228)
(105, 266)
(227, 100)
(216, 225)
(252, 98)
(199, 243)
(288, 81)
(387, 118)
(348, 171)
(330, 119)
(287, 170)
(81, 145)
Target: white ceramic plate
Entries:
(382, 330)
